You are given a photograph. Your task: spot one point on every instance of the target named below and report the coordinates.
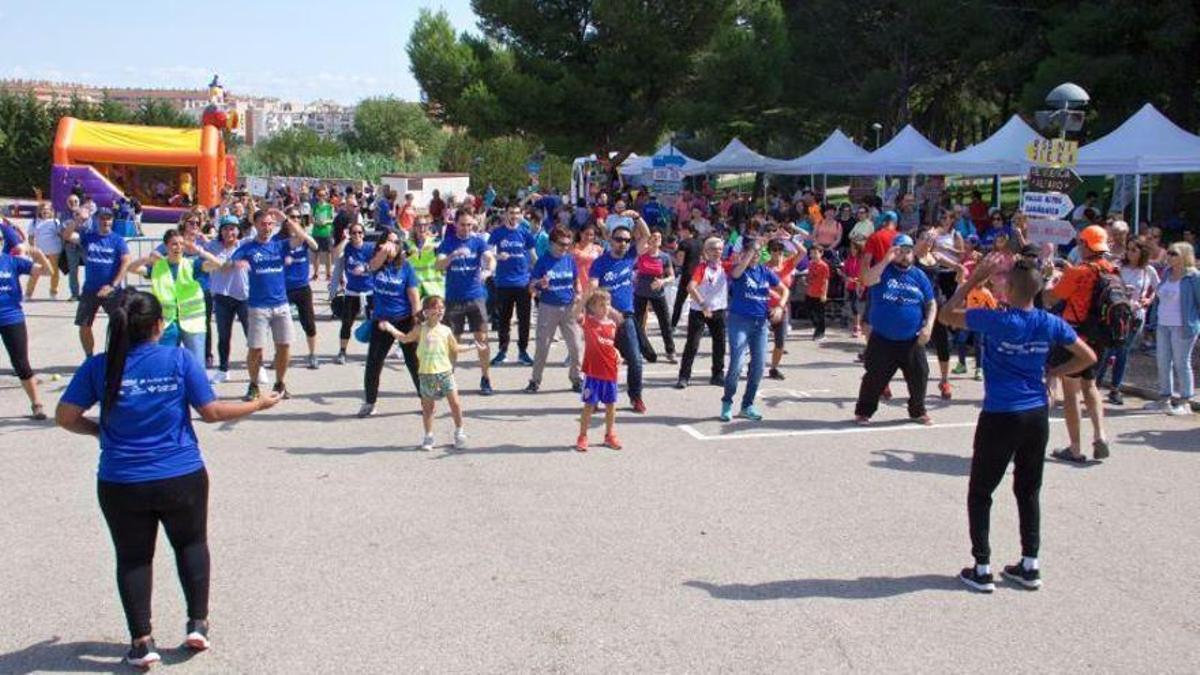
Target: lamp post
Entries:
(877, 127)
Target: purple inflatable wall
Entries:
(96, 186)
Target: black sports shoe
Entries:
(281, 389)
(717, 380)
(1030, 579)
(984, 583)
(531, 388)
(197, 635)
(774, 374)
(485, 386)
(681, 383)
(142, 654)
(251, 393)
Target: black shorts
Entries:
(323, 244)
(90, 303)
(1060, 355)
(471, 312)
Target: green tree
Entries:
(577, 74)
(394, 127)
(161, 114)
(501, 162)
(285, 153)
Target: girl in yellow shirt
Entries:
(437, 351)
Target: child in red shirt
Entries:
(600, 361)
(818, 289)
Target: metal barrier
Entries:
(140, 247)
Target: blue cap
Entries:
(230, 220)
(903, 240)
(104, 212)
(889, 215)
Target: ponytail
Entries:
(131, 322)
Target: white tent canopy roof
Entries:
(737, 158)
(1002, 153)
(897, 157)
(1147, 142)
(645, 163)
(835, 149)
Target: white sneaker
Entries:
(460, 439)
(217, 377)
(427, 443)
(367, 410)
(1163, 406)
(1179, 410)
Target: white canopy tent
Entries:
(1002, 153)
(642, 164)
(897, 157)
(737, 158)
(1147, 142)
(836, 148)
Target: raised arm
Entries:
(872, 275)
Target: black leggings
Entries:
(227, 309)
(350, 312)
(816, 312)
(695, 330)
(940, 337)
(377, 351)
(303, 300)
(506, 300)
(1000, 437)
(882, 359)
(133, 512)
(16, 343)
(659, 305)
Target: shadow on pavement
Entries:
(1174, 440)
(922, 462)
(507, 449)
(79, 657)
(363, 450)
(862, 588)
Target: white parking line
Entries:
(834, 431)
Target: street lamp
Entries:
(1067, 101)
(877, 127)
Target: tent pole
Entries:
(1149, 203)
(1137, 198)
(1020, 191)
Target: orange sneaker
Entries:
(612, 441)
(946, 392)
(581, 444)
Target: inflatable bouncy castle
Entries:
(166, 169)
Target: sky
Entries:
(297, 50)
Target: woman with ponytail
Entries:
(150, 469)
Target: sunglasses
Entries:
(621, 240)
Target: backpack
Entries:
(1111, 317)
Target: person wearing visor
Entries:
(902, 311)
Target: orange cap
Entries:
(1095, 238)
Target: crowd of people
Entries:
(963, 276)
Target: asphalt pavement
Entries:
(801, 543)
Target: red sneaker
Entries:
(638, 406)
(944, 388)
(612, 441)
(887, 393)
(923, 419)
(581, 444)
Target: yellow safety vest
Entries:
(423, 260)
(182, 298)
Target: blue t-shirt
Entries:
(391, 283)
(1015, 347)
(513, 272)
(102, 258)
(11, 238)
(748, 294)
(462, 277)
(988, 238)
(652, 213)
(358, 270)
(898, 303)
(267, 286)
(383, 213)
(148, 434)
(616, 276)
(295, 264)
(11, 269)
(561, 274)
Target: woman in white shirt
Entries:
(45, 233)
(1141, 282)
(708, 291)
(1178, 326)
